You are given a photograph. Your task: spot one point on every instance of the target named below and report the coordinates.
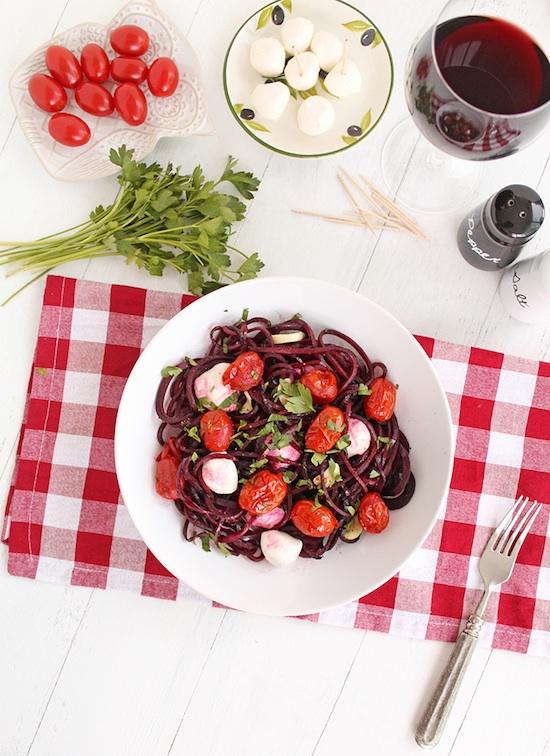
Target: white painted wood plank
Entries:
(267, 688)
(39, 624)
(132, 669)
(386, 693)
(509, 711)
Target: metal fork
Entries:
(495, 566)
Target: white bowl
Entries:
(349, 570)
(356, 116)
(182, 114)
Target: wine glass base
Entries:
(423, 177)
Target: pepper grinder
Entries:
(494, 233)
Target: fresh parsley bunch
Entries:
(159, 218)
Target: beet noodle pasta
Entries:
(278, 442)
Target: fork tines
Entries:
(510, 534)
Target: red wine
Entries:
(492, 64)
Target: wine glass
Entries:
(478, 88)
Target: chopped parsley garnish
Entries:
(343, 443)
(229, 401)
(288, 476)
(170, 370)
(316, 504)
(304, 483)
(223, 548)
(258, 465)
(374, 474)
(205, 404)
(331, 425)
(225, 348)
(363, 390)
(297, 316)
(255, 374)
(193, 432)
(191, 361)
(332, 473)
(194, 457)
(383, 440)
(317, 458)
(351, 510)
(205, 541)
(294, 397)
(243, 317)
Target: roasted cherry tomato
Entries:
(245, 372)
(95, 63)
(325, 430)
(216, 430)
(63, 66)
(69, 129)
(163, 77)
(312, 519)
(166, 472)
(381, 402)
(373, 513)
(262, 493)
(322, 384)
(94, 99)
(129, 69)
(129, 40)
(130, 103)
(47, 93)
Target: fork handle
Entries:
(437, 712)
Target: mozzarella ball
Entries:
(344, 80)
(315, 116)
(360, 437)
(328, 49)
(220, 475)
(280, 549)
(210, 386)
(297, 34)
(302, 71)
(267, 56)
(269, 519)
(270, 100)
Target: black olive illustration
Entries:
(355, 131)
(323, 74)
(247, 114)
(277, 15)
(367, 38)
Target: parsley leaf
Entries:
(193, 432)
(317, 458)
(223, 548)
(191, 361)
(194, 456)
(343, 443)
(296, 316)
(363, 390)
(374, 474)
(294, 397)
(170, 370)
(383, 440)
(246, 406)
(304, 483)
(230, 400)
(288, 476)
(205, 541)
(243, 317)
(205, 404)
(258, 465)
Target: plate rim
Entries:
(119, 442)
(299, 155)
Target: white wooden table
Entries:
(93, 672)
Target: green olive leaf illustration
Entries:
(304, 94)
(377, 39)
(288, 5)
(324, 88)
(237, 107)
(349, 139)
(265, 15)
(366, 120)
(357, 26)
(255, 126)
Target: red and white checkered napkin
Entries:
(66, 522)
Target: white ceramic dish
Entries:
(183, 114)
(356, 116)
(349, 570)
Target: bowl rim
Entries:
(300, 155)
(119, 443)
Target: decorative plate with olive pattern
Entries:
(356, 116)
